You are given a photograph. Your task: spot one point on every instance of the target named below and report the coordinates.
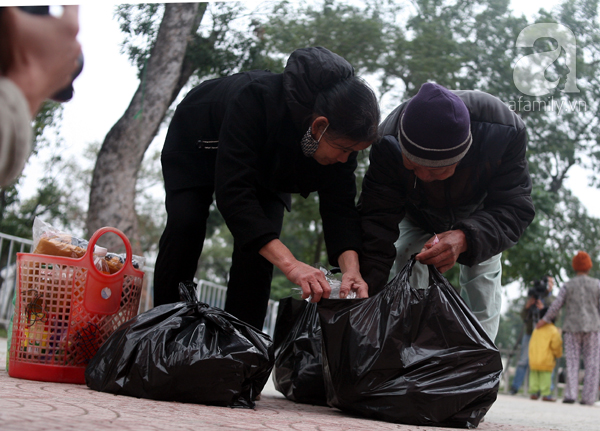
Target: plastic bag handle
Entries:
(435, 276)
(406, 271)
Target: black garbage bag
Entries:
(187, 352)
(409, 356)
(298, 371)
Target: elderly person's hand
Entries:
(311, 280)
(351, 278)
(443, 254)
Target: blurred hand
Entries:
(540, 324)
(45, 52)
(444, 254)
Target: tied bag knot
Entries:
(187, 352)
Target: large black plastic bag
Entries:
(298, 371)
(186, 351)
(410, 356)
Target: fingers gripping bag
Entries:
(185, 351)
(412, 356)
(298, 370)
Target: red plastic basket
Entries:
(66, 309)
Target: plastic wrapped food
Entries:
(54, 242)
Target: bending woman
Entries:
(253, 138)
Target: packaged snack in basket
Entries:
(51, 241)
(116, 261)
(100, 260)
(54, 242)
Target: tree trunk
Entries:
(113, 189)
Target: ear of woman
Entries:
(319, 126)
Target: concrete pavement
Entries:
(32, 406)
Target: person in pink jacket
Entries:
(545, 347)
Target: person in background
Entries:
(538, 298)
(544, 348)
(38, 56)
(252, 139)
(580, 298)
(448, 180)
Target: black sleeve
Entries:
(381, 208)
(508, 208)
(243, 133)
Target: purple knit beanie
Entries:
(435, 127)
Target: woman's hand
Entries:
(351, 278)
(311, 280)
(353, 282)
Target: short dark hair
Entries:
(351, 108)
(543, 312)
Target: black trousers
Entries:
(180, 247)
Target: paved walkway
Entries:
(32, 406)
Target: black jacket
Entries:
(256, 121)
(488, 197)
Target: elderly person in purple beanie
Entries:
(448, 180)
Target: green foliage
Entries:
(558, 141)
(139, 24)
(359, 34)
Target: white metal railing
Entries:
(9, 247)
(208, 292)
(215, 295)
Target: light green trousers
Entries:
(540, 382)
(480, 284)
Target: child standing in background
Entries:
(545, 347)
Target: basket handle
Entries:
(94, 239)
(103, 291)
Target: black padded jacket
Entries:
(488, 197)
(241, 134)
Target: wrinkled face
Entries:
(332, 151)
(429, 175)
